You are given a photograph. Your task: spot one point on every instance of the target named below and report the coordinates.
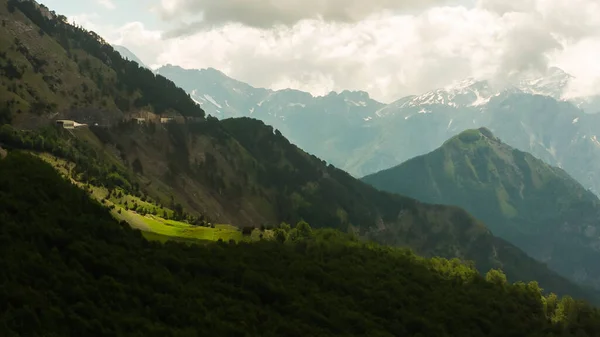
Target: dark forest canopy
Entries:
(68, 269)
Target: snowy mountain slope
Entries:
(474, 93)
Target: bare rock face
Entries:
(3, 153)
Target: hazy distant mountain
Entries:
(537, 207)
(330, 126)
(554, 131)
(127, 54)
(363, 136)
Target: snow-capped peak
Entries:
(552, 84)
(468, 92)
(471, 92)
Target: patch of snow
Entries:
(361, 103)
(379, 113)
(424, 111)
(480, 100)
(595, 141)
(450, 124)
(576, 120)
(367, 118)
(252, 110)
(212, 100)
(195, 101)
(239, 91)
(227, 103)
(296, 104)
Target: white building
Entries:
(67, 124)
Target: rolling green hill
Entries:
(537, 207)
(69, 269)
(238, 172)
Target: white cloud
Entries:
(390, 54)
(107, 4)
(143, 42)
(267, 13)
(581, 60)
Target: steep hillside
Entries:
(70, 270)
(50, 69)
(538, 207)
(242, 172)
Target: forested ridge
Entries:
(68, 269)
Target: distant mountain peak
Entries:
(472, 137)
(128, 54)
(471, 92)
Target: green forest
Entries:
(69, 269)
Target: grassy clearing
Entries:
(183, 230)
(153, 225)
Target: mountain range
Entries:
(235, 171)
(362, 136)
(539, 208)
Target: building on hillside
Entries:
(67, 124)
(164, 120)
(139, 120)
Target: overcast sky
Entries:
(390, 48)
